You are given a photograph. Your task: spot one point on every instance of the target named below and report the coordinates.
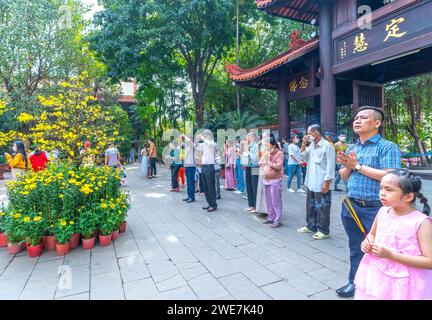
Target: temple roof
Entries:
(260, 76)
(298, 10)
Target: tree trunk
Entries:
(409, 100)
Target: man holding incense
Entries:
(363, 165)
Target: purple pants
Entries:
(273, 198)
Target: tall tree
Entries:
(195, 33)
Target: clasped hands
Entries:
(349, 161)
(367, 246)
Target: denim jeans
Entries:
(294, 169)
(190, 180)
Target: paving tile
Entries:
(206, 287)
(79, 296)
(172, 283)
(259, 254)
(283, 291)
(143, 289)
(242, 288)
(79, 280)
(217, 265)
(162, 270)
(133, 268)
(106, 286)
(258, 274)
(183, 293)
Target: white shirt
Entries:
(208, 148)
(189, 159)
(320, 160)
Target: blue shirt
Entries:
(293, 150)
(376, 153)
(253, 155)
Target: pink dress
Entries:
(383, 279)
(230, 182)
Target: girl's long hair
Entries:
(21, 149)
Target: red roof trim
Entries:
(238, 74)
(279, 8)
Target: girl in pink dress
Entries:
(230, 159)
(398, 250)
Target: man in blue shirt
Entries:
(363, 165)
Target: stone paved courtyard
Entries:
(174, 250)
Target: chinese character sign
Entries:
(393, 29)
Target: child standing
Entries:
(398, 250)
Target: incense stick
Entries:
(354, 216)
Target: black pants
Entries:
(366, 216)
(152, 166)
(208, 175)
(201, 183)
(318, 207)
(252, 177)
(174, 174)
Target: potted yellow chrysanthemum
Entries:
(63, 233)
(34, 229)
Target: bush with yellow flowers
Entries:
(61, 194)
(65, 120)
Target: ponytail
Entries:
(424, 201)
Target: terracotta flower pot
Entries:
(105, 240)
(62, 249)
(88, 243)
(35, 251)
(49, 243)
(123, 227)
(75, 241)
(3, 240)
(115, 235)
(15, 248)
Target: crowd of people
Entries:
(23, 159)
(390, 241)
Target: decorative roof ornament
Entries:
(295, 40)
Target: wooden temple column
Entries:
(283, 108)
(328, 82)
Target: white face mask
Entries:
(14, 148)
(343, 139)
(296, 141)
(311, 139)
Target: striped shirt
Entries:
(376, 153)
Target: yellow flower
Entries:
(18, 215)
(61, 196)
(71, 222)
(63, 222)
(2, 213)
(37, 219)
(104, 206)
(26, 219)
(112, 205)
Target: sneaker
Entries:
(301, 191)
(245, 197)
(276, 225)
(305, 230)
(290, 190)
(268, 222)
(249, 209)
(320, 236)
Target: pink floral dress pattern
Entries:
(384, 279)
